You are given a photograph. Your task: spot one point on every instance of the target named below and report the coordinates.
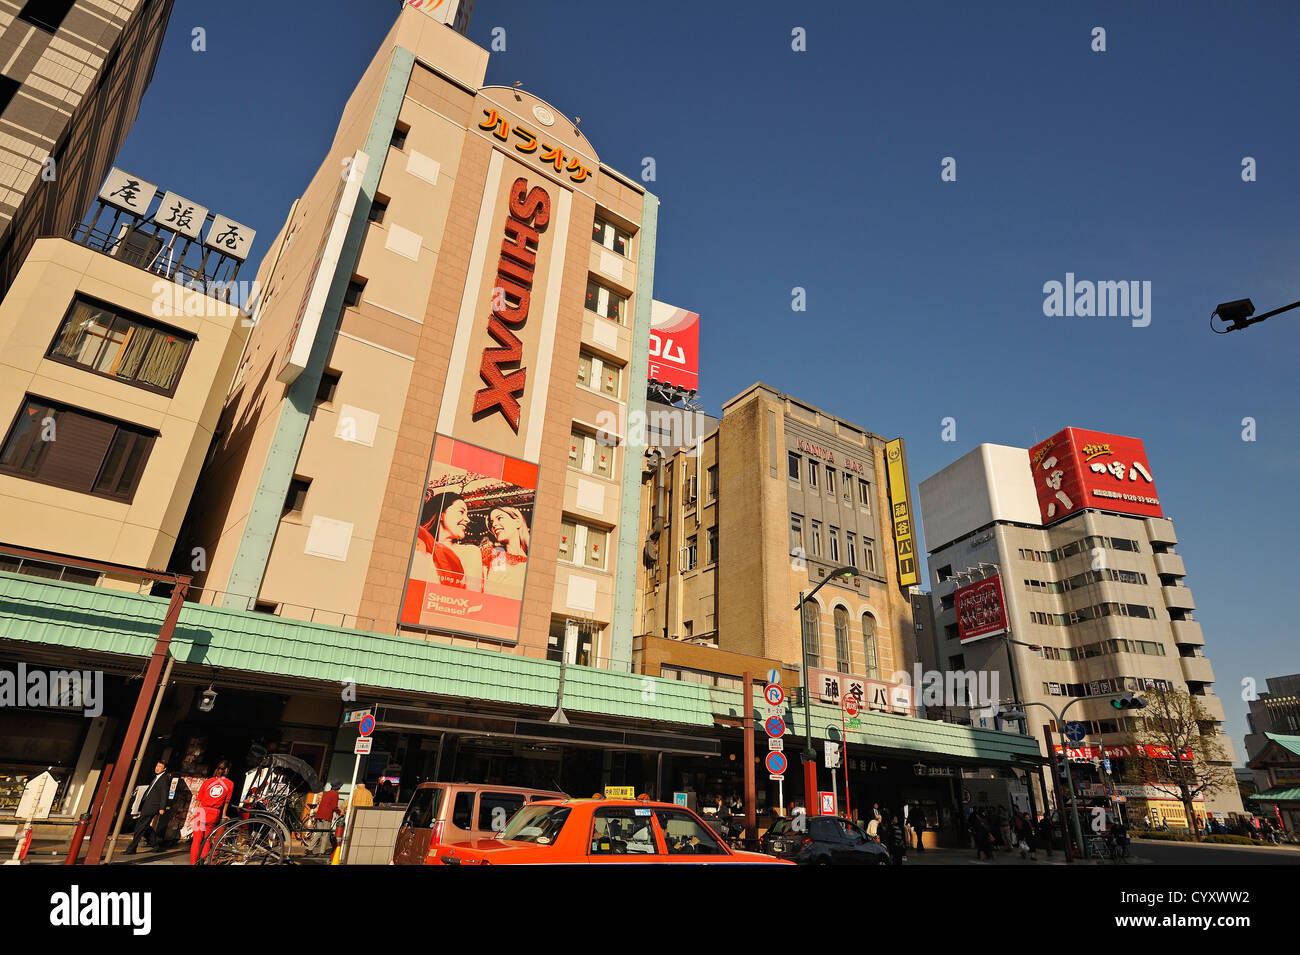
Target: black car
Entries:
(826, 840)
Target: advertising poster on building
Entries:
(469, 559)
(674, 346)
(1074, 469)
(981, 610)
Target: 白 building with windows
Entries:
(74, 72)
(1054, 567)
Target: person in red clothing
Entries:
(322, 820)
(212, 798)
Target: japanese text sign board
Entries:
(127, 192)
(981, 609)
(1074, 469)
(363, 745)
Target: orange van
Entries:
(448, 813)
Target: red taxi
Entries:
(568, 831)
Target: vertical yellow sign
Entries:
(901, 513)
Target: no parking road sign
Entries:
(775, 726)
(774, 695)
(776, 763)
(367, 725)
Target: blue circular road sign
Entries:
(367, 725)
(775, 727)
(1075, 731)
(776, 763)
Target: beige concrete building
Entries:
(74, 72)
(109, 397)
(1095, 605)
(455, 307)
(774, 499)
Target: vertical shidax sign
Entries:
(900, 510)
(530, 212)
(470, 556)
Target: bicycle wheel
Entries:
(256, 841)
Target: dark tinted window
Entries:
(8, 87)
(462, 812)
(495, 810)
(824, 829)
(423, 809)
(46, 14)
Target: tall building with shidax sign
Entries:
(1059, 559)
(455, 307)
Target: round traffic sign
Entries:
(776, 762)
(1075, 731)
(850, 705)
(773, 676)
(774, 694)
(367, 725)
(775, 726)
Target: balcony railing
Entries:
(151, 252)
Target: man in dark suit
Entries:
(153, 805)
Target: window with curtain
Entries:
(869, 643)
(811, 636)
(122, 346)
(841, 639)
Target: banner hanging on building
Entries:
(674, 346)
(469, 560)
(901, 513)
(981, 609)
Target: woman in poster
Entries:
(444, 523)
(506, 562)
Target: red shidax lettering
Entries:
(530, 211)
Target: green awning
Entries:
(1279, 794)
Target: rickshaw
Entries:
(269, 817)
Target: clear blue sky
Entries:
(821, 170)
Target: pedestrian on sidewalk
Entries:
(982, 833)
(212, 798)
(1003, 831)
(897, 841)
(359, 797)
(153, 806)
(918, 825)
(322, 819)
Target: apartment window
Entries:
(598, 374)
(712, 538)
(595, 547)
(589, 455)
(610, 236)
(378, 209)
(835, 544)
(399, 136)
(944, 573)
(329, 384)
(8, 90)
(947, 602)
(64, 447)
(852, 544)
(605, 301)
(352, 297)
(569, 640)
(846, 486)
(812, 475)
(869, 555)
(811, 633)
(46, 14)
(792, 465)
(841, 639)
(864, 493)
(265, 606)
(796, 533)
(816, 538)
(582, 545)
(869, 644)
(122, 346)
(690, 553)
(713, 483)
(297, 496)
(830, 481)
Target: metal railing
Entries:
(153, 256)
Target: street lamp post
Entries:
(810, 754)
(1238, 314)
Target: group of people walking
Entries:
(898, 830)
(1016, 831)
